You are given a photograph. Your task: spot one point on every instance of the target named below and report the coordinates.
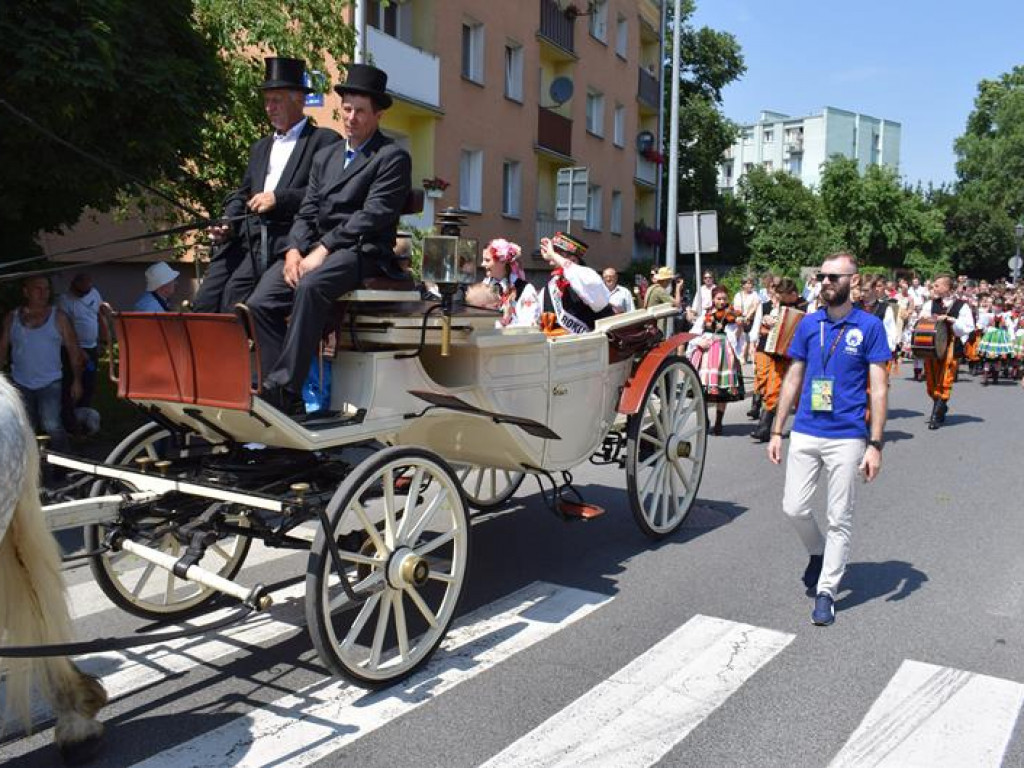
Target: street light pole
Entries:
(1019, 231)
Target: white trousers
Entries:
(840, 459)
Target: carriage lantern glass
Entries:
(449, 259)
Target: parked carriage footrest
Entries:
(579, 509)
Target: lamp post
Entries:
(1019, 231)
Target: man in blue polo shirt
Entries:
(834, 351)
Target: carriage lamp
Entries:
(450, 261)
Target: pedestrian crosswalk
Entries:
(924, 715)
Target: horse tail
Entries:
(33, 601)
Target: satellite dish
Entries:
(644, 141)
(560, 90)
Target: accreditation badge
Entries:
(822, 389)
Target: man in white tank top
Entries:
(33, 335)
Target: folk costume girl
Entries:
(996, 345)
(715, 355)
(504, 279)
(575, 296)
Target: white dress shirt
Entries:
(280, 152)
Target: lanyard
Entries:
(835, 343)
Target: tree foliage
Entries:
(127, 81)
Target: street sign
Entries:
(698, 232)
(571, 197)
(1015, 263)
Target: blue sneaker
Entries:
(824, 612)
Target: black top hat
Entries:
(285, 73)
(367, 81)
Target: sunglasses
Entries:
(832, 277)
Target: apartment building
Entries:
(474, 105)
(800, 145)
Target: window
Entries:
(593, 220)
(511, 188)
(599, 21)
(471, 180)
(394, 19)
(619, 126)
(748, 139)
(768, 165)
(615, 221)
(514, 71)
(769, 136)
(795, 166)
(621, 36)
(595, 113)
(473, 51)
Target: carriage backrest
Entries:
(192, 358)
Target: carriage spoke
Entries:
(447, 578)
(363, 616)
(370, 528)
(437, 543)
(655, 480)
(479, 483)
(355, 557)
(410, 501)
(650, 460)
(421, 524)
(400, 628)
(342, 600)
(381, 629)
(682, 478)
(421, 606)
(655, 420)
(146, 573)
(389, 507)
(650, 479)
(220, 551)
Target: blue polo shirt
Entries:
(855, 342)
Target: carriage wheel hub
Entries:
(677, 448)
(407, 569)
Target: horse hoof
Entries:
(81, 752)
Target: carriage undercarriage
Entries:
(381, 492)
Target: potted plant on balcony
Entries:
(647, 235)
(435, 186)
(653, 156)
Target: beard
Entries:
(837, 295)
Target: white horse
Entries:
(33, 604)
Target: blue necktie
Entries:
(349, 156)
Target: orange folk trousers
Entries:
(939, 375)
(769, 372)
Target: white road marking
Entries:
(300, 729)
(638, 714)
(934, 717)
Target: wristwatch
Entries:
(876, 444)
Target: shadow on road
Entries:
(961, 418)
(902, 413)
(895, 435)
(894, 580)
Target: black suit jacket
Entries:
(289, 192)
(357, 207)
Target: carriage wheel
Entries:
(402, 530)
(487, 488)
(665, 444)
(135, 585)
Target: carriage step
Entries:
(579, 510)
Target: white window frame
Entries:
(471, 180)
(622, 37)
(514, 71)
(473, 60)
(768, 136)
(595, 113)
(512, 189)
(593, 220)
(615, 213)
(599, 21)
(619, 126)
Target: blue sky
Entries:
(911, 61)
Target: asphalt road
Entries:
(936, 578)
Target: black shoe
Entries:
(941, 413)
(812, 573)
(763, 431)
(284, 400)
(755, 408)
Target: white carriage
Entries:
(381, 488)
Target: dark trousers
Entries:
(229, 280)
(287, 346)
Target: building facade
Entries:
(494, 98)
(800, 145)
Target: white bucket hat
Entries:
(159, 275)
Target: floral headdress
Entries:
(507, 253)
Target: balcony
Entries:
(556, 27)
(646, 171)
(794, 146)
(547, 226)
(554, 132)
(649, 89)
(412, 73)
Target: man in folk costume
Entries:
(770, 369)
(574, 298)
(260, 212)
(345, 231)
(940, 374)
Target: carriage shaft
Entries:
(92, 511)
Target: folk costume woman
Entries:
(714, 355)
(575, 296)
(505, 278)
(996, 345)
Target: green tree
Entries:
(75, 69)
(989, 197)
(245, 31)
(785, 221)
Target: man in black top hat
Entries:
(344, 231)
(260, 212)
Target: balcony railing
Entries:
(646, 171)
(554, 132)
(649, 89)
(547, 225)
(556, 26)
(413, 73)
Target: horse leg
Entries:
(76, 698)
